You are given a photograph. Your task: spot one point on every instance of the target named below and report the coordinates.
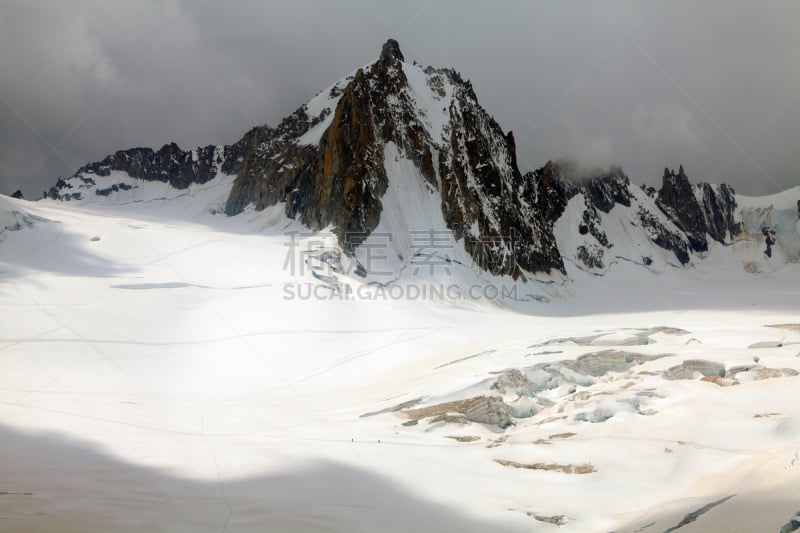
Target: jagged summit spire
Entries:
(391, 51)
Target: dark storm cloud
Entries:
(711, 85)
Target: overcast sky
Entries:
(711, 85)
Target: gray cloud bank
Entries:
(712, 85)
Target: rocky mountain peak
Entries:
(393, 126)
(180, 168)
(699, 210)
(391, 53)
(676, 198)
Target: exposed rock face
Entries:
(602, 191)
(663, 237)
(718, 204)
(676, 198)
(391, 52)
(608, 189)
(170, 164)
(60, 191)
(701, 211)
(556, 185)
(769, 240)
(483, 188)
(18, 195)
(341, 179)
(591, 256)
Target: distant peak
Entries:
(391, 51)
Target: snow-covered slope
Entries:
(165, 368)
(624, 236)
(120, 189)
(14, 216)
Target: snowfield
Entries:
(162, 369)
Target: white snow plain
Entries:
(160, 371)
